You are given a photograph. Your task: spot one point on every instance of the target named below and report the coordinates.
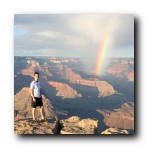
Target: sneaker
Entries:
(43, 120)
(34, 120)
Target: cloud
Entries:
(73, 35)
(51, 34)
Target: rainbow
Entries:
(103, 47)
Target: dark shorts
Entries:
(38, 102)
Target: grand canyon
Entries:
(76, 101)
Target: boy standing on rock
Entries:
(36, 96)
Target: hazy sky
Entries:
(72, 35)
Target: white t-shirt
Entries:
(35, 85)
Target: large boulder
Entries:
(115, 131)
(122, 117)
(76, 125)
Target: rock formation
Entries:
(72, 125)
(130, 76)
(121, 118)
(70, 75)
(115, 131)
(28, 72)
(27, 126)
(122, 70)
(22, 105)
(35, 66)
(104, 88)
(76, 125)
(64, 90)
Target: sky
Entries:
(73, 35)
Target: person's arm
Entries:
(41, 91)
(32, 95)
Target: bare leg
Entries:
(33, 112)
(41, 112)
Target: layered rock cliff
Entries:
(22, 105)
(69, 74)
(122, 70)
(35, 66)
(122, 117)
(130, 76)
(104, 88)
(64, 90)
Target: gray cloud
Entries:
(76, 35)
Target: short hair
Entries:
(36, 73)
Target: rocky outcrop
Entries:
(70, 75)
(118, 68)
(72, 125)
(122, 70)
(104, 88)
(76, 125)
(115, 131)
(130, 76)
(25, 126)
(64, 90)
(22, 105)
(122, 117)
(31, 67)
(28, 72)
(35, 66)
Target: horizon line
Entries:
(65, 57)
